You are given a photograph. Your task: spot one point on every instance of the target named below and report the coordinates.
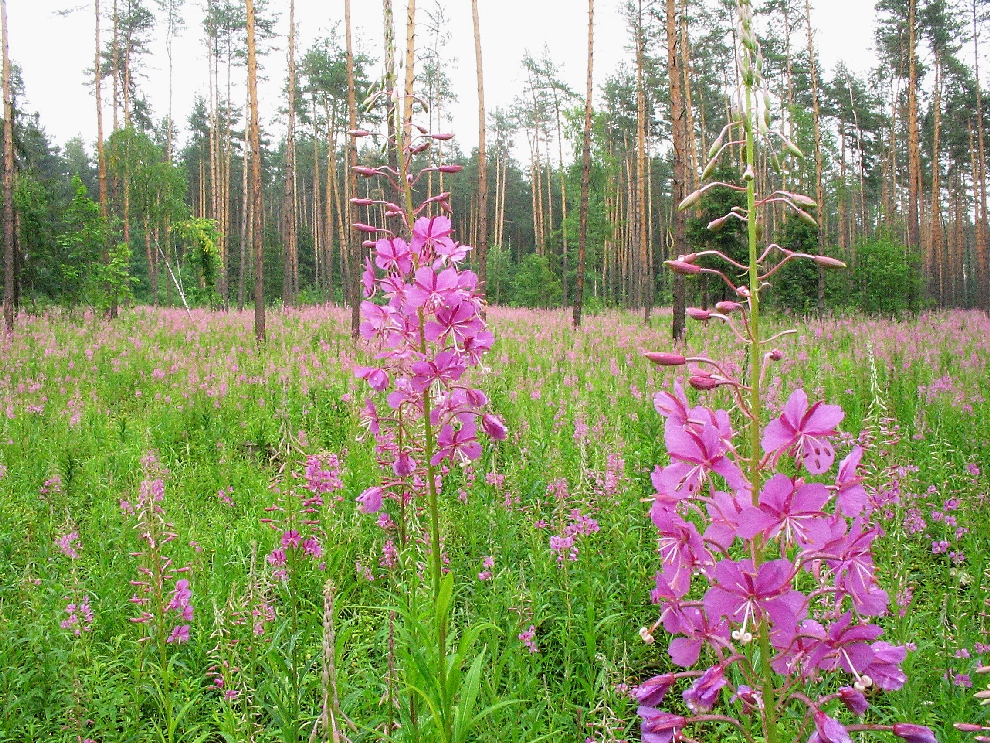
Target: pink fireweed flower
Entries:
(393, 254)
(702, 695)
(659, 727)
(432, 232)
(527, 636)
(370, 501)
(457, 444)
(805, 431)
(746, 595)
(179, 635)
(788, 508)
(66, 542)
(828, 730)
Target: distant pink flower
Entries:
(179, 635)
(65, 543)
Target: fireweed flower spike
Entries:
(430, 333)
(771, 572)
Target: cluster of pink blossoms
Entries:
(424, 313)
(792, 568)
(322, 478)
(155, 567)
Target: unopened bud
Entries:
(368, 244)
(682, 267)
(775, 355)
(420, 148)
(827, 261)
(749, 174)
(717, 224)
(362, 202)
(645, 634)
(443, 136)
(792, 149)
(363, 171)
(661, 358)
(698, 314)
(709, 169)
(690, 200)
(801, 200)
(364, 227)
(450, 168)
(359, 133)
(967, 727)
(806, 218)
(727, 308)
(703, 381)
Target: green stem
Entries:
(755, 405)
(429, 449)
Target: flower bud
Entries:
(359, 133)
(364, 171)
(368, 244)
(709, 169)
(404, 465)
(494, 427)
(450, 168)
(682, 267)
(443, 136)
(698, 314)
(749, 174)
(727, 308)
(806, 218)
(665, 359)
(854, 700)
(360, 227)
(690, 200)
(792, 149)
(829, 262)
(716, 224)
(703, 381)
(362, 202)
(775, 355)
(914, 733)
(646, 636)
(801, 200)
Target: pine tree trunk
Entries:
(914, 144)
(9, 290)
(680, 155)
(353, 261)
(585, 173)
(289, 270)
(642, 232)
(816, 118)
(933, 269)
(257, 215)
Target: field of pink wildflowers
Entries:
(182, 556)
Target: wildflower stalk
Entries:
(756, 400)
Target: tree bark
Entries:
(482, 244)
(257, 214)
(585, 173)
(353, 257)
(9, 290)
(290, 264)
(681, 154)
(816, 117)
(642, 231)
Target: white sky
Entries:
(53, 51)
